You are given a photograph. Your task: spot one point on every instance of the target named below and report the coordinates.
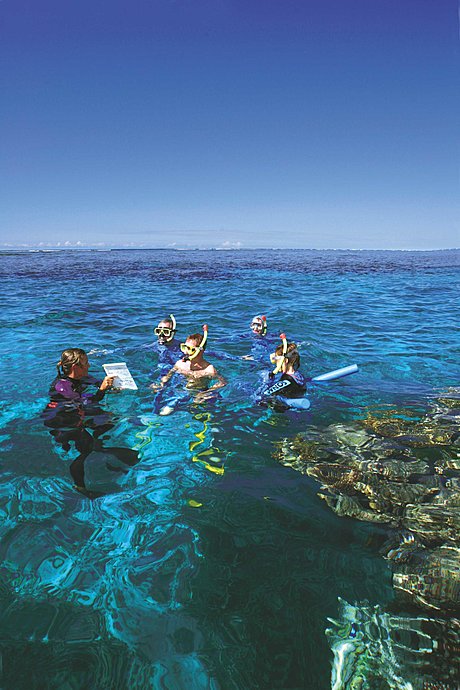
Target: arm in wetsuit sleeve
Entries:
(67, 392)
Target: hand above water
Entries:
(158, 386)
(107, 383)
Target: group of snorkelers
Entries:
(74, 414)
(189, 361)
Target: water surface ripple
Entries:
(207, 566)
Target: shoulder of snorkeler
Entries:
(211, 370)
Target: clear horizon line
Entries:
(41, 248)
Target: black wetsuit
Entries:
(288, 385)
(71, 412)
(283, 389)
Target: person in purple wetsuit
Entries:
(74, 414)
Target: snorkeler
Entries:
(287, 384)
(198, 372)
(167, 346)
(259, 326)
(262, 343)
(72, 412)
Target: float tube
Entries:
(336, 374)
(295, 403)
(304, 403)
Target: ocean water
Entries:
(208, 565)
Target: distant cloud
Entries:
(230, 245)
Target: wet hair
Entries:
(69, 357)
(167, 323)
(292, 355)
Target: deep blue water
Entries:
(208, 565)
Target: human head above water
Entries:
(74, 360)
(195, 344)
(291, 356)
(192, 347)
(166, 330)
(259, 324)
(195, 339)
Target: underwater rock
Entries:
(335, 477)
(433, 522)
(348, 506)
(367, 470)
(412, 432)
(431, 578)
(394, 495)
(448, 463)
(375, 650)
(450, 400)
(400, 470)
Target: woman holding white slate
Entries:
(74, 414)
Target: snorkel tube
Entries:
(280, 358)
(262, 319)
(204, 339)
(173, 329)
(264, 325)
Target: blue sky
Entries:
(295, 123)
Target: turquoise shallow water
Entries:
(208, 565)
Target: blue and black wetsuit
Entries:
(286, 391)
(261, 348)
(168, 354)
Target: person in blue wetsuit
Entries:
(167, 346)
(262, 343)
(74, 415)
(287, 385)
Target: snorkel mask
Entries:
(279, 359)
(164, 333)
(191, 351)
(259, 325)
